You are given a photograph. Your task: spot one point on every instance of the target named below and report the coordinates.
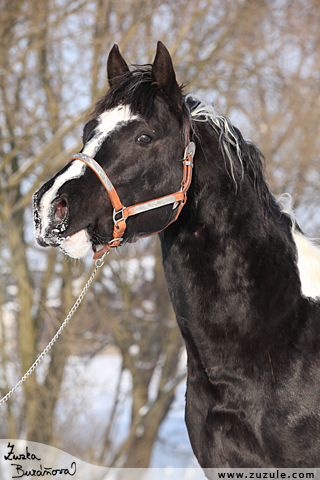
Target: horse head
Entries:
(130, 164)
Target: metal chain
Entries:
(98, 264)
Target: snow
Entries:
(83, 411)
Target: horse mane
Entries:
(242, 157)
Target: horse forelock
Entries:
(134, 88)
(137, 89)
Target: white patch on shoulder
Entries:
(308, 254)
(109, 121)
(78, 245)
(308, 266)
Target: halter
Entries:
(121, 213)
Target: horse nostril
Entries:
(61, 210)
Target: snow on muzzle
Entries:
(51, 212)
(50, 222)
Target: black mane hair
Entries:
(135, 88)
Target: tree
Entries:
(256, 60)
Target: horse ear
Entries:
(116, 65)
(164, 75)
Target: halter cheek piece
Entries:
(121, 213)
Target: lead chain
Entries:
(98, 264)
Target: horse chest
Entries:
(224, 421)
(240, 412)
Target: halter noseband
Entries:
(121, 213)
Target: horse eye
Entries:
(144, 138)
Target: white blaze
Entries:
(75, 170)
(78, 245)
(109, 121)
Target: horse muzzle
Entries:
(50, 223)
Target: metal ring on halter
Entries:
(122, 218)
(115, 240)
(100, 261)
(190, 149)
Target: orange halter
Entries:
(121, 213)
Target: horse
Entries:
(242, 277)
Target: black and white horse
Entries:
(243, 280)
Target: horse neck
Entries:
(229, 260)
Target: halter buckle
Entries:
(119, 212)
(190, 149)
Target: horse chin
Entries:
(77, 245)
